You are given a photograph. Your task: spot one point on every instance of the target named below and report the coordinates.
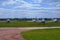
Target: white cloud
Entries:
(19, 3)
(24, 9)
(58, 4)
(23, 4)
(37, 1)
(8, 2)
(9, 13)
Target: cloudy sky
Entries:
(29, 8)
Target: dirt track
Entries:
(14, 33)
(11, 34)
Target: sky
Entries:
(29, 8)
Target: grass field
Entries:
(43, 34)
(27, 24)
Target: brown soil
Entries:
(11, 34)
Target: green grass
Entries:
(27, 24)
(43, 34)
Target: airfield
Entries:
(28, 23)
(19, 29)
